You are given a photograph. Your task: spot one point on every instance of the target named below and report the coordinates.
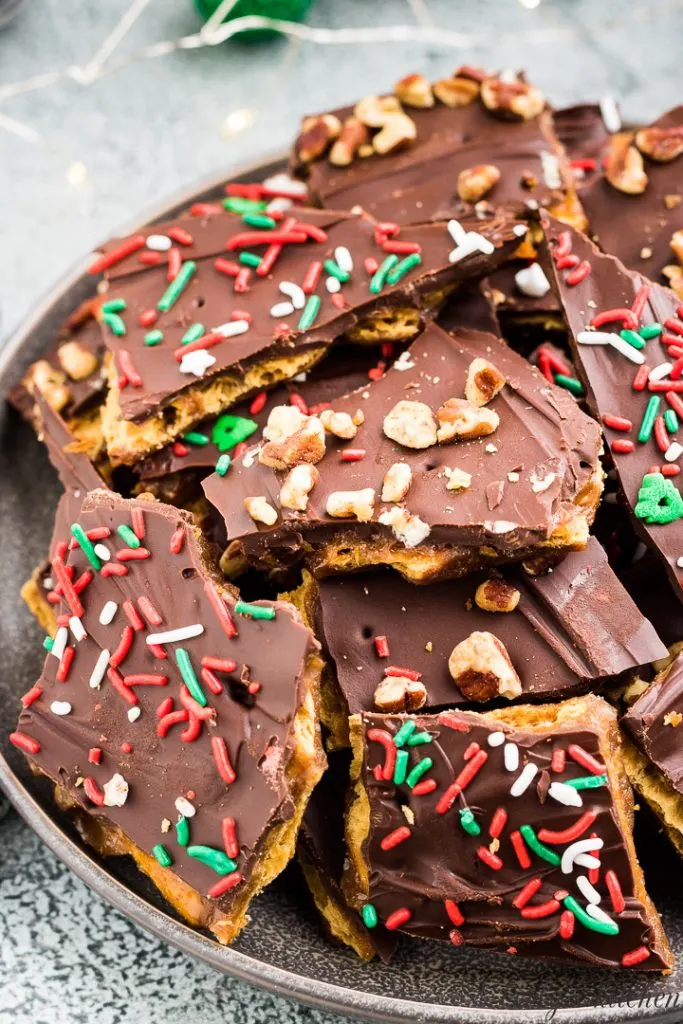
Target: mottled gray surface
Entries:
(139, 134)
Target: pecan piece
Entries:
(411, 424)
(77, 361)
(283, 421)
(496, 595)
(358, 505)
(353, 136)
(475, 182)
(458, 91)
(398, 693)
(340, 424)
(397, 481)
(297, 486)
(517, 100)
(398, 130)
(317, 135)
(374, 111)
(624, 167)
(660, 144)
(260, 510)
(483, 382)
(305, 445)
(415, 91)
(481, 667)
(461, 420)
(50, 382)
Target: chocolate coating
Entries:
(653, 723)
(582, 132)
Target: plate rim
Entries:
(313, 992)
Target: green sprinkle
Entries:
(403, 268)
(309, 313)
(194, 437)
(189, 677)
(419, 737)
(334, 270)
(401, 768)
(380, 275)
(570, 384)
(404, 733)
(468, 822)
(223, 464)
(214, 859)
(86, 545)
(369, 915)
(114, 306)
(182, 831)
(590, 922)
(177, 286)
(648, 421)
(48, 643)
(538, 847)
(632, 338)
(115, 324)
(651, 331)
(671, 421)
(418, 771)
(259, 220)
(587, 782)
(193, 332)
(659, 500)
(127, 536)
(154, 337)
(240, 205)
(229, 430)
(254, 611)
(162, 855)
(249, 259)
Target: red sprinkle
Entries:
(471, 750)
(132, 554)
(206, 341)
(665, 385)
(640, 379)
(310, 230)
(527, 893)
(563, 244)
(149, 611)
(661, 434)
(117, 254)
(204, 209)
(671, 469)
(451, 794)
(165, 707)
(568, 835)
(594, 873)
(640, 301)
(578, 275)
(382, 646)
(219, 664)
(175, 262)
(145, 679)
(148, 317)
(352, 454)
(566, 924)
(128, 369)
(192, 731)
(586, 163)
(180, 450)
(636, 956)
(312, 276)
(454, 913)
(622, 446)
(243, 280)
(247, 239)
(64, 581)
(65, 664)
(93, 791)
(498, 822)
(133, 615)
(398, 918)
(402, 248)
(387, 741)
(222, 759)
(519, 846)
(424, 787)
(585, 759)
(94, 755)
(149, 258)
(258, 403)
(123, 647)
(116, 680)
(492, 860)
(540, 910)
(610, 316)
(126, 747)
(674, 325)
(228, 267)
(396, 670)
(177, 541)
(450, 720)
(617, 422)
(399, 835)
(170, 719)
(676, 370)
(225, 885)
(24, 742)
(299, 402)
(219, 607)
(195, 709)
(371, 265)
(212, 682)
(456, 937)
(31, 696)
(113, 569)
(180, 235)
(137, 518)
(229, 833)
(614, 890)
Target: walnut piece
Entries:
(462, 420)
(624, 167)
(297, 486)
(660, 144)
(481, 667)
(483, 382)
(415, 91)
(407, 528)
(475, 182)
(458, 479)
(305, 445)
(496, 595)
(397, 481)
(398, 693)
(352, 504)
(260, 510)
(77, 361)
(512, 99)
(338, 423)
(317, 135)
(283, 421)
(458, 91)
(411, 424)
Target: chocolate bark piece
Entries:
(510, 830)
(529, 487)
(216, 337)
(581, 130)
(320, 851)
(572, 630)
(603, 298)
(183, 721)
(470, 305)
(637, 227)
(431, 174)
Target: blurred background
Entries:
(107, 107)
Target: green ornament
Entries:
(659, 500)
(229, 431)
(283, 10)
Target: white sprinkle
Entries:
(457, 231)
(585, 860)
(48, 583)
(103, 552)
(100, 669)
(197, 362)
(587, 890)
(593, 337)
(301, 377)
(511, 757)
(490, 448)
(115, 791)
(134, 713)
(496, 739)
(609, 111)
(572, 852)
(284, 183)
(332, 285)
(108, 612)
(172, 636)
(598, 914)
(532, 281)
(184, 807)
(281, 309)
(519, 230)
(294, 293)
(565, 794)
(158, 243)
(472, 242)
(524, 780)
(660, 372)
(77, 628)
(679, 562)
(60, 707)
(551, 169)
(61, 636)
(626, 350)
(279, 204)
(232, 328)
(674, 451)
(404, 362)
(343, 259)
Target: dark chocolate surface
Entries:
(439, 860)
(582, 132)
(654, 720)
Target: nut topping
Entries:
(398, 693)
(353, 136)
(458, 479)
(50, 382)
(398, 131)
(283, 421)
(77, 361)
(352, 504)
(481, 667)
(676, 244)
(397, 481)
(375, 111)
(317, 134)
(415, 91)
(260, 510)
(516, 100)
(338, 423)
(483, 382)
(407, 528)
(458, 91)
(475, 182)
(461, 420)
(624, 167)
(411, 424)
(660, 144)
(305, 445)
(496, 595)
(298, 484)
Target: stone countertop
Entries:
(77, 159)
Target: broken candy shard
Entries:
(506, 829)
(537, 475)
(177, 704)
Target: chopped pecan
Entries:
(77, 361)
(50, 382)
(283, 421)
(458, 91)
(496, 595)
(415, 91)
(305, 445)
(512, 99)
(481, 667)
(317, 135)
(398, 693)
(297, 486)
(407, 528)
(475, 182)
(411, 424)
(260, 510)
(352, 504)
(353, 135)
(458, 479)
(462, 420)
(374, 111)
(660, 144)
(676, 244)
(397, 481)
(483, 382)
(338, 423)
(623, 164)
(397, 131)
